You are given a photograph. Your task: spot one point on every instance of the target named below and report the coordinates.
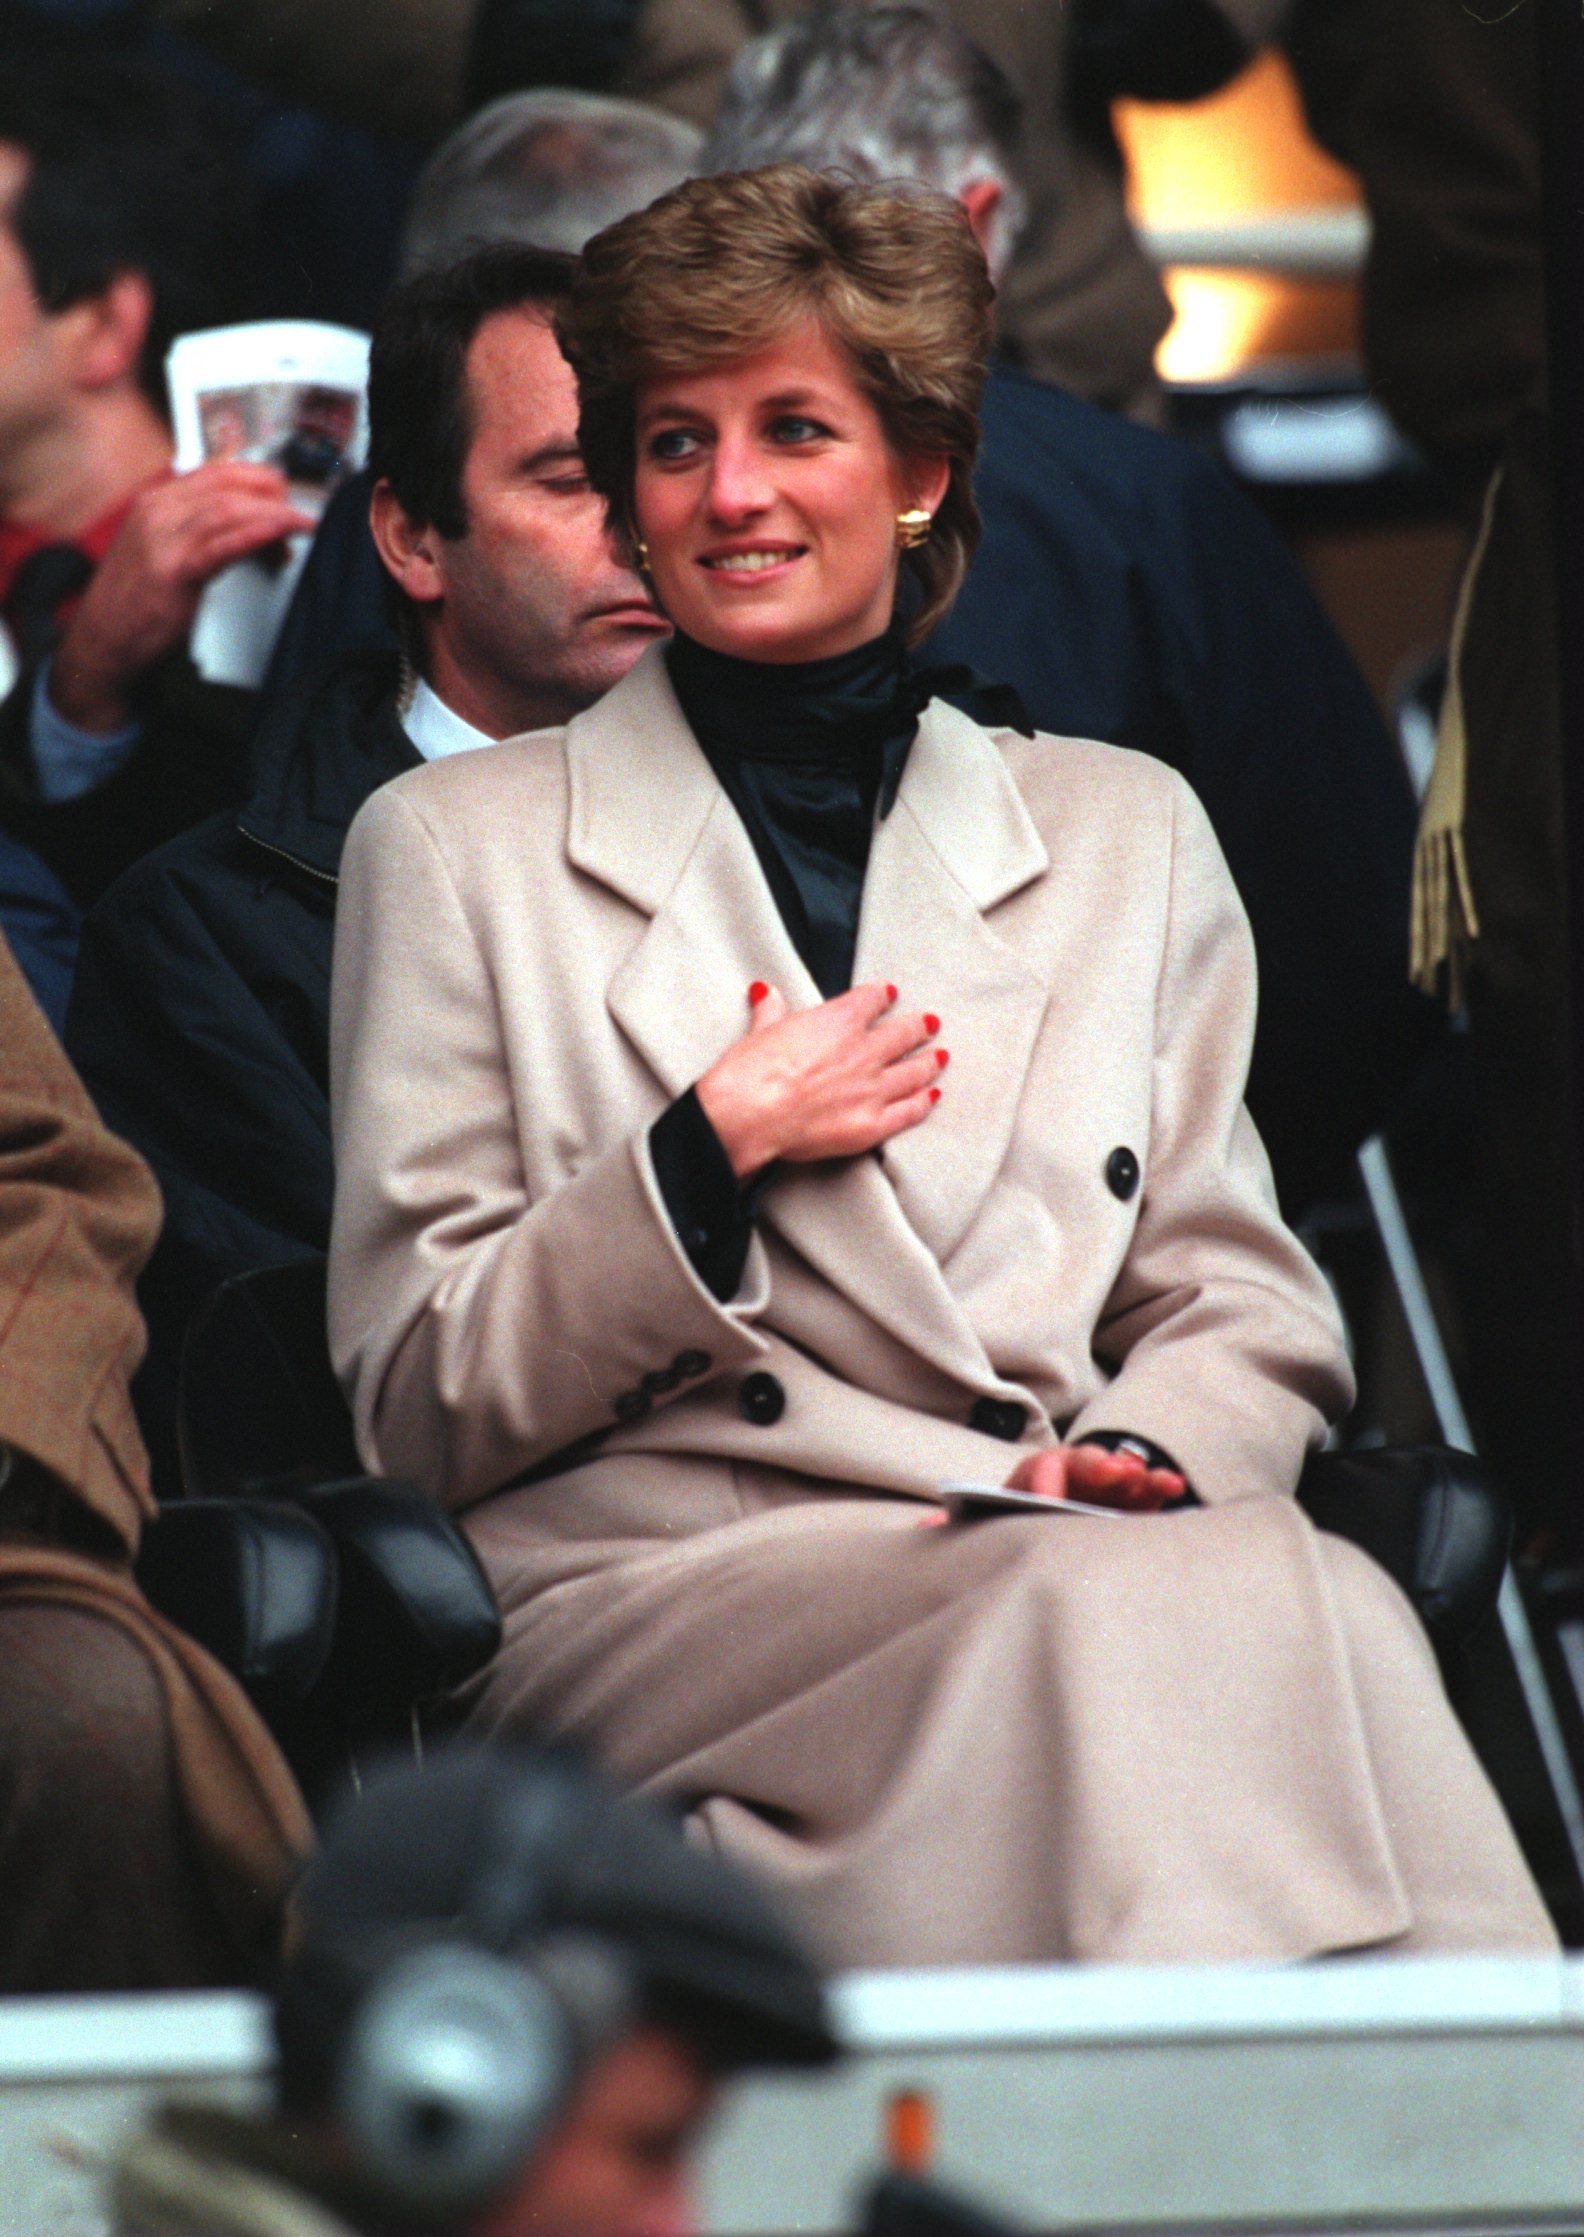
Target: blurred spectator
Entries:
(1435, 108)
(1129, 592)
(147, 1824)
(411, 66)
(506, 2014)
(329, 194)
(1083, 303)
(118, 229)
(200, 1014)
(549, 168)
(1491, 930)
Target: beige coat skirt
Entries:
(1211, 1735)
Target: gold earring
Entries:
(912, 528)
(642, 549)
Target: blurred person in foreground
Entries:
(1127, 590)
(148, 1826)
(622, 1015)
(121, 226)
(200, 1013)
(509, 2006)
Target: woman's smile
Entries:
(754, 560)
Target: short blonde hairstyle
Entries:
(722, 267)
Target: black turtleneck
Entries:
(810, 754)
(806, 753)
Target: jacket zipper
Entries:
(324, 876)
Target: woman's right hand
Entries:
(833, 1081)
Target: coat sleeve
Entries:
(78, 1215)
(1225, 1341)
(480, 1331)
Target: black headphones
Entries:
(447, 2054)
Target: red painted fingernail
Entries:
(890, 993)
(943, 1056)
(757, 992)
(934, 1094)
(931, 1022)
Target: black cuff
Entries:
(1152, 1455)
(713, 1218)
(521, 43)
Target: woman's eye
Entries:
(792, 429)
(673, 442)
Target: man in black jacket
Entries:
(200, 1012)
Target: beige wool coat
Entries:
(1205, 1734)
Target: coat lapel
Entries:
(649, 820)
(958, 842)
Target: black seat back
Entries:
(259, 1402)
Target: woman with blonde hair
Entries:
(779, 1094)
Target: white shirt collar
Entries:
(436, 730)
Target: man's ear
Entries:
(981, 200)
(104, 334)
(407, 552)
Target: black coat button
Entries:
(691, 1364)
(1122, 1173)
(632, 1405)
(761, 1400)
(999, 1417)
(659, 1380)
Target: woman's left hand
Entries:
(1104, 1479)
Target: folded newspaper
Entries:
(290, 393)
(965, 1500)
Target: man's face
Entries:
(33, 386)
(536, 617)
(616, 2163)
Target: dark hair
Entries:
(128, 171)
(419, 423)
(722, 266)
